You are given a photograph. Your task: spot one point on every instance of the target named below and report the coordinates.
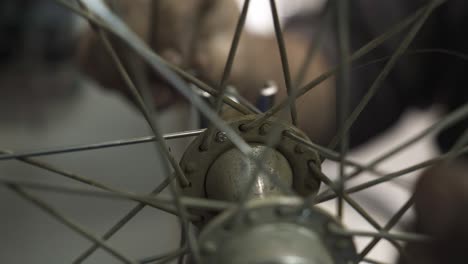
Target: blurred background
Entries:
(45, 102)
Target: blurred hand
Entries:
(441, 205)
(196, 35)
(173, 29)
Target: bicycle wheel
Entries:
(251, 154)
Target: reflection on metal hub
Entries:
(221, 172)
(229, 175)
(277, 230)
(272, 228)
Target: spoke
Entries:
(325, 76)
(183, 74)
(390, 224)
(232, 54)
(119, 224)
(118, 28)
(448, 52)
(165, 257)
(115, 26)
(402, 172)
(87, 181)
(405, 237)
(396, 174)
(372, 261)
(182, 243)
(161, 145)
(314, 46)
(343, 87)
(387, 69)
(334, 156)
(149, 199)
(226, 73)
(447, 121)
(352, 203)
(284, 59)
(274, 137)
(62, 189)
(459, 144)
(102, 145)
(77, 228)
(272, 140)
(331, 154)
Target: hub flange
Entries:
(220, 172)
(280, 230)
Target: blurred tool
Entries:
(267, 96)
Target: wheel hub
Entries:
(277, 230)
(220, 172)
(229, 175)
(273, 228)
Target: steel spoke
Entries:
(284, 59)
(352, 203)
(78, 178)
(191, 202)
(120, 223)
(227, 72)
(396, 174)
(445, 122)
(273, 139)
(72, 225)
(372, 261)
(331, 154)
(402, 172)
(405, 237)
(343, 90)
(325, 76)
(388, 68)
(102, 145)
(459, 144)
(161, 145)
(183, 74)
(390, 224)
(148, 199)
(314, 47)
(182, 243)
(165, 257)
(449, 120)
(120, 30)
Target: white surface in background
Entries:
(259, 18)
(384, 200)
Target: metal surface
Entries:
(230, 174)
(223, 164)
(276, 230)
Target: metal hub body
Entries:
(230, 174)
(221, 172)
(277, 230)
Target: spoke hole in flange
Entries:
(202, 148)
(188, 185)
(243, 128)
